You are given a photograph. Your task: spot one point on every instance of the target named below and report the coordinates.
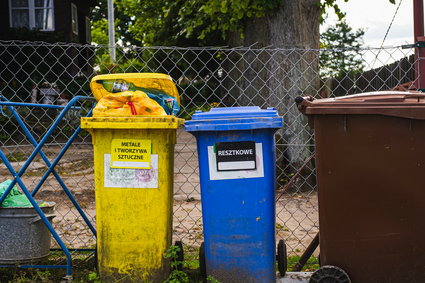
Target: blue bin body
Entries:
(238, 206)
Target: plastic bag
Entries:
(168, 102)
(127, 103)
(15, 198)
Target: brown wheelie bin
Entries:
(370, 160)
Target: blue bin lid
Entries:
(234, 118)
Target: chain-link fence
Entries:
(55, 73)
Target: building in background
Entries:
(45, 41)
(46, 20)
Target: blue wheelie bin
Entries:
(236, 151)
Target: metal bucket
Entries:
(24, 238)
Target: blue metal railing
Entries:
(51, 165)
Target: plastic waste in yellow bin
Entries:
(134, 159)
(128, 103)
(158, 87)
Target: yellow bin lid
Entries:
(134, 122)
(145, 80)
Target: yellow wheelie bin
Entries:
(133, 165)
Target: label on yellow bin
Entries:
(131, 153)
(130, 178)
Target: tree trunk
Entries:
(275, 76)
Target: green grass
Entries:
(84, 270)
(311, 265)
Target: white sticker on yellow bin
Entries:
(131, 178)
(131, 153)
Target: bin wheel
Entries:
(180, 255)
(281, 257)
(202, 264)
(329, 274)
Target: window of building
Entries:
(88, 30)
(32, 14)
(74, 18)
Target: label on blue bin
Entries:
(238, 171)
(233, 156)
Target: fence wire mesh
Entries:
(206, 77)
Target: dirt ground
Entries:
(296, 222)
(296, 214)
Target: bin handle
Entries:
(303, 101)
(414, 95)
(38, 218)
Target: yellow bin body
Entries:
(133, 206)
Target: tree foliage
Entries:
(185, 22)
(123, 21)
(341, 48)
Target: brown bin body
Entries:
(370, 152)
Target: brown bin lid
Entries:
(390, 103)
